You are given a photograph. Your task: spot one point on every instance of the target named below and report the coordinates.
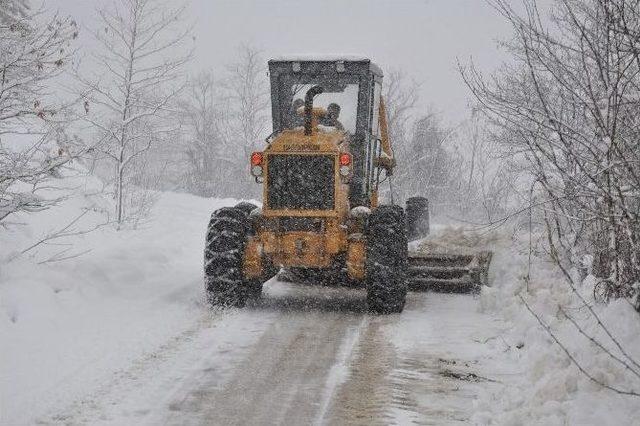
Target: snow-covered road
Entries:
(310, 355)
(120, 336)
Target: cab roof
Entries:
(306, 61)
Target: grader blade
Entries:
(446, 272)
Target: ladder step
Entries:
(437, 260)
(446, 272)
(444, 285)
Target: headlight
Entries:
(256, 171)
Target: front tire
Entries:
(386, 260)
(227, 236)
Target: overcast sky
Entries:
(422, 37)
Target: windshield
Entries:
(339, 100)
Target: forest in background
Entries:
(130, 113)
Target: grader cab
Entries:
(321, 173)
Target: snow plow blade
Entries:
(449, 273)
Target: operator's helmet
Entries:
(297, 103)
(333, 111)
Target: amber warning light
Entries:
(256, 159)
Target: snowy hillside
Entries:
(66, 326)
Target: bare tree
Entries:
(486, 178)
(129, 98)
(247, 101)
(198, 113)
(568, 112)
(209, 146)
(224, 121)
(432, 166)
(248, 91)
(401, 98)
(425, 148)
(14, 10)
(34, 145)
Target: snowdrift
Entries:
(551, 390)
(66, 325)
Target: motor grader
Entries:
(321, 172)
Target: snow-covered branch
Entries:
(143, 45)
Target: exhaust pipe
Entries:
(308, 107)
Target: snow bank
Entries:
(551, 390)
(65, 326)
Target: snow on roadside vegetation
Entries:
(550, 389)
(66, 326)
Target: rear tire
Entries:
(227, 235)
(246, 207)
(386, 260)
(417, 216)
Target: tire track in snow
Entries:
(284, 380)
(136, 395)
(341, 369)
(364, 397)
(308, 355)
(422, 367)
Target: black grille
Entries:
(291, 224)
(301, 182)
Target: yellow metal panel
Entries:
(253, 259)
(355, 259)
(308, 249)
(387, 161)
(301, 249)
(374, 199)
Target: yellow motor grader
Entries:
(321, 171)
